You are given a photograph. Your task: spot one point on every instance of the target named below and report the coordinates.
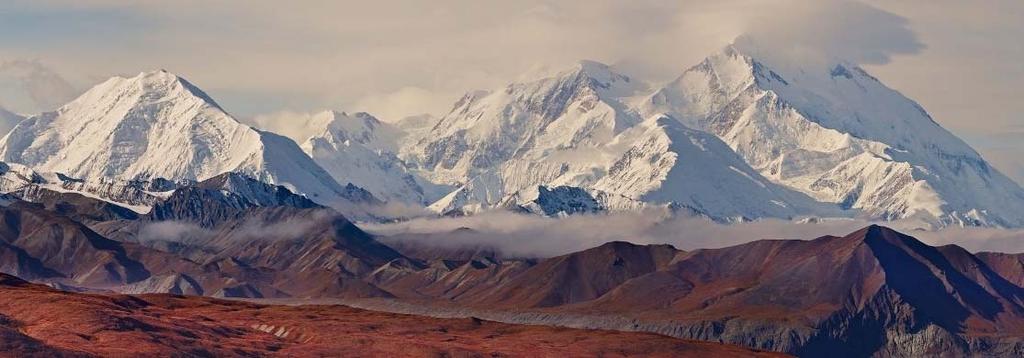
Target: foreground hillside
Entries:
(39, 321)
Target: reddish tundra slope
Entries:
(873, 292)
(39, 321)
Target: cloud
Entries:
(260, 228)
(388, 107)
(292, 124)
(826, 31)
(251, 229)
(969, 76)
(171, 231)
(29, 86)
(404, 102)
(518, 235)
(533, 236)
(409, 57)
(976, 239)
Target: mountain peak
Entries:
(874, 230)
(732, 51)
(580, 75)
(333, 117)
(733, 65)
(167, 83)
(358, 118)
(604, 78)
(154, 80)
(875, 233)
(161, 74)
(594, 69)
(767, 66)
(620, 246)
(360, 127)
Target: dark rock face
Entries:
(568, 200)
(222, 198)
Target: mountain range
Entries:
(736, 137)
(787, 140)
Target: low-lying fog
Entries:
(534, 236)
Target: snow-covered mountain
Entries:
(733, 137)
(841, 136)
(575, 129)
(667, 162)
(575, 109)
(157, 124)
(360, 149)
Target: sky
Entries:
(270, 64)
